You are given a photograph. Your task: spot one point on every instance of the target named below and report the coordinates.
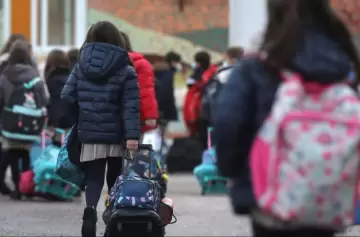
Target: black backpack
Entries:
(210, 93)
(23, 117)
(184, 155)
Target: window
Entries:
(61, 22)
(2, 40)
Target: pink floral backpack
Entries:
(305, 158)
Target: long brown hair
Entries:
(73, 55)
(128, 46)
(105, 32)
(10, 41)
(57, 59)
(287, 23)
(20, 53)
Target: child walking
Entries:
(104, 87)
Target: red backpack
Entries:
(192, 107)
(193, 98)
(26, 184)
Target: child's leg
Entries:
(13, 156)
(114, 169)
(25, 160)
(4, 163)
(95, 176)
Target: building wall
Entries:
(201, 21)
(165, 16)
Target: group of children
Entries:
(105, 89)
(18, 66)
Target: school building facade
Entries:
(47, 24)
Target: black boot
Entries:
(16, 195)
(89, 222)
(4, 189)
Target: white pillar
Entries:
(44, 24)
(6, 19)
(68, 22)
(81, 21)
(34, 26)
(247, 19)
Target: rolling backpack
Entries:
(153, 169)
(207, 173)
(23, 118)
(46, 182)
(134, 205)
(305, 158)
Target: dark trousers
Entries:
(12, 158)
(261, 231)
(95, 177)
(2, 176)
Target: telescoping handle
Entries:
(44, 136)
(209, 138)
(141, 147)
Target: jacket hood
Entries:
(321, 59)
(99, 61)
(21, 73)
(161, 66)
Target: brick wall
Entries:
(165, 16)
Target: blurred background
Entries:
(154, 26)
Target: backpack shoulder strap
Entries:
(32, 83)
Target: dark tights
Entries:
(95, 177)
(260, 231)
(11, 158)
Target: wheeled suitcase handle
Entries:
(145, 147)
(128, 153)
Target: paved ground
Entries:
(197, 215)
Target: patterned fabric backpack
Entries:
(305, 158)
(68, 165)
(137, 192)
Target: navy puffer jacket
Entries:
(246, 100)
(105, 89)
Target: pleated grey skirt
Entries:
(90, 152)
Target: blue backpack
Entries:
(68, 165)
(135, 192)
(23, 117)
(43, 163)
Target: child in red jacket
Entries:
(148, 104)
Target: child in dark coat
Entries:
(104, 87)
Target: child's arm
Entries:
(131, 100)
